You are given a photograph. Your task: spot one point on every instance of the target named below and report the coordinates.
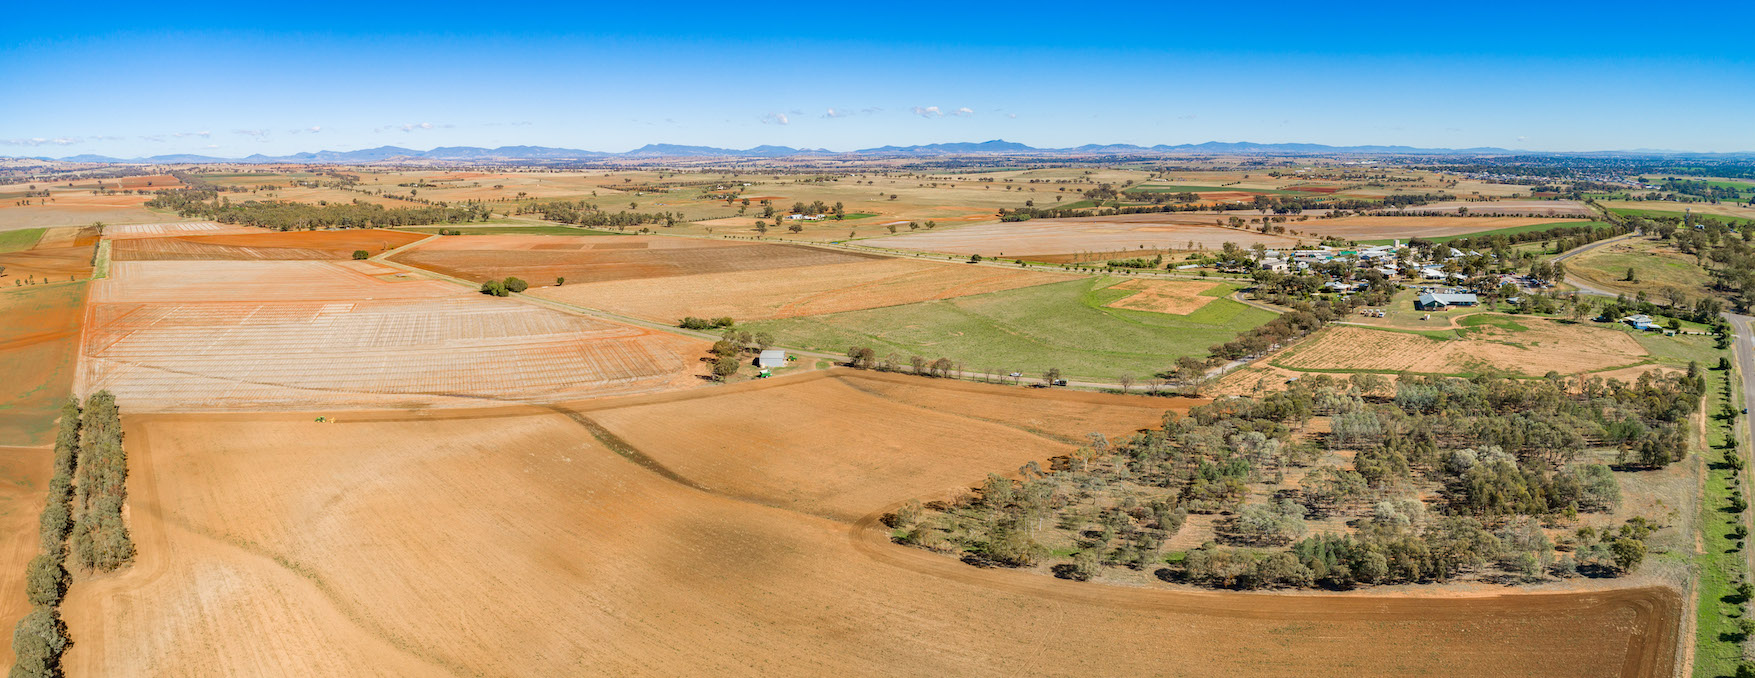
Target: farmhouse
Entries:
(772, 357)
(1438, 302)
(1641, 322)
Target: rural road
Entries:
(1575, 281)
(1744, 348)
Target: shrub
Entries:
(361, 254)
(494, 288)
(516, 285)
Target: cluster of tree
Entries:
(693, 323)
(1704, 189)
(41, 637)
(1138, 262)
(293, 216)
(501, 288)
(866, 358)
(589, 215)
(729, 350)
(1502, 455)
(1282, 330)
(100, 537)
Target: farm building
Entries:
(1438, 302)
(771, 358)
(1641, 322)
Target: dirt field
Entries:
(1543, 347)
(1552, 208)
(541, 259)
(262, 245)
(809, 290)
(79, 209)
(1380, 228)
(1176, 297)
(1087, 234)
(24, 478)
(160, 230)
(272, 545)
(39, 346)
(226, 335)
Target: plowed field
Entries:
(811, 290)
(223, 335)
(530, 542)
(541, 259)
(262, 245)
(1543, 347)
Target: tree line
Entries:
(296, 216)
(86, 493)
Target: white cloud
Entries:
(410, 127)
(40, 141)
(776, 119)
(314, 129)
(836, 113)
(928, 112)
(203, 134)
(1013, 116)
(258, 133)
(964, 112)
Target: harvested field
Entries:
(179, 228)
(1084, 234)
(39, 347)
(735, 445)
(220, 335)
(262, 245)
(541, 259)
(1176, 297)
(391, 541)
(1544, 346)
(810, 290)
(1381, 228)
(1551, 208)
(78, 209)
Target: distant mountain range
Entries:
(996, 147)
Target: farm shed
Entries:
(771, 358)
(1439, 302)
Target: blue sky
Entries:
(240, 78)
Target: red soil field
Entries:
(600, 258)
(263, 245)
(524, 540)
(160, 230)
(24, 478)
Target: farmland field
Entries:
(235, 335)
(262, 245)
(1082, 234)
(1405, 228)
(809, 290)
(542, 259)
(1546, 208)
(1532, 347)
(39, 345)
(1064, 325)
(1175, 297)
(391, 541)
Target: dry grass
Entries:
(1545, 346)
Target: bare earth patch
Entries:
(1175, 297)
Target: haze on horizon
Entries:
(210, 79)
